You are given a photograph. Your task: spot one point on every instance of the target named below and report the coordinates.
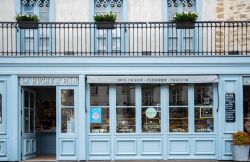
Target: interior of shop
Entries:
(45, 122)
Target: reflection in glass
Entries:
(99, 108)
(32, 120)
(67, 97)
(125, 109)
(67, 120)
(151, 108)
(99, 95)
(204, 121)
(26, 120)
(178, 108)
(67, 111)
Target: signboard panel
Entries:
(230, 107)
(47, 81)
(153, 79)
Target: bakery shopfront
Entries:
(152, 117)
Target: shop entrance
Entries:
(39, 123)
(246, 93)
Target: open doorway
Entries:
(39, 123)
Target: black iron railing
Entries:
(127, 39)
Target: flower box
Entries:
(105, 25)
(27, 25)
(185, 25)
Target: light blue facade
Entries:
(83, 146)
(79, 143)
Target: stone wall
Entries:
(235, 36)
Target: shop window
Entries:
(29, 112)
(204, 120)
(125, 109)
(151, 108)
(178, 108)
(67, 111)
(99, 108)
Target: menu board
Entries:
(230, 107)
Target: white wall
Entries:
(208, 10)
(145, 10)
(72, 10)
(7, 10)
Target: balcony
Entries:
(211, 38)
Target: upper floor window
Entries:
(41, 8)
(180, 40)
(109, 40)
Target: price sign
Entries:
(230, 107)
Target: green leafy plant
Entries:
(241, 138)
(27, 17)
(109, 17)
(185, 16)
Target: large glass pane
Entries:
(32, 120)
(151, 108)
(67, 97)
(67, 111)
(125, 109)
(99, 95)
(204, 120)
(26, 99)
(178, 108)
(99, 108)
(67, 120)
(26, 120)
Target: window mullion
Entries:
(138, 108)
(191, 108)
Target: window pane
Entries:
(178, 108)
(150, 95)
(99, 119)
(125, 95)
(32, 120)
(99, 95)
(178, 95)
(67, 111)
(26, 120)
(99, 108)
(67, 97)
(204, 121)
(125, 119)
(246, 92)
(125, 109)
(151, 109)
(67, 120)
(26, 99)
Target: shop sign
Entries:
(96, 115)
(47, 81)
(230, 107)
(151, 112)
(153, 79)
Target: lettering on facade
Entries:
(230, 107)
(152, 79)
(48, 81)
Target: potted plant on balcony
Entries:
(105, 21)
(26, 21)
(185, 20)
(240, 146)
